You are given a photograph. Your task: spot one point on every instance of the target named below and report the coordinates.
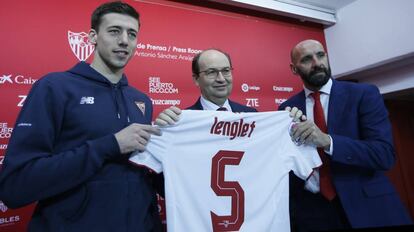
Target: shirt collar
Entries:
(326, 89)
(208, 105)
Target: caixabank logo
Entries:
(18, 79)
(80, 45)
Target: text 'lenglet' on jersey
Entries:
(232, 129)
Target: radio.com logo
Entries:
(157, 86)
(16, 79)
(282, 89)
(246, 88)
(5, 131)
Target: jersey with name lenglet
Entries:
(228, 171)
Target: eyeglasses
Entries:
(213, 73)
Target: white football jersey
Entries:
(228, 171)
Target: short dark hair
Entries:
(195, 66)
(112, 7)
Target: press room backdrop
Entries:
(43, 36)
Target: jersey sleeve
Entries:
(303, 159)
(153, 155)
(307, 160)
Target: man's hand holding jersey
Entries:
(306, 132)
(168, 117)
(135, 137)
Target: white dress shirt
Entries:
(208, 105)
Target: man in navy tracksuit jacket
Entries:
(70, 146)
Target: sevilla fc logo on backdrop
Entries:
(80, 45)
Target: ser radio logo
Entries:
(80, 45)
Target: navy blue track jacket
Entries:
(63, 154)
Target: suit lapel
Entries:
(337, 102)
(234, 107)
(197, 106)
(300, 102)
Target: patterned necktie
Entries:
(325, 180)
(222, 109)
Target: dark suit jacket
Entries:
(362, 150)
(235, 107)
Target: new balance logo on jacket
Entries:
(87, 100)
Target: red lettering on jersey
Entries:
(233, 129)
(221, 187)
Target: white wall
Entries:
(370, 34)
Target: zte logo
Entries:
(87, 100)
(22, 99)
(252, 102)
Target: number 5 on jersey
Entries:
(234, 221)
